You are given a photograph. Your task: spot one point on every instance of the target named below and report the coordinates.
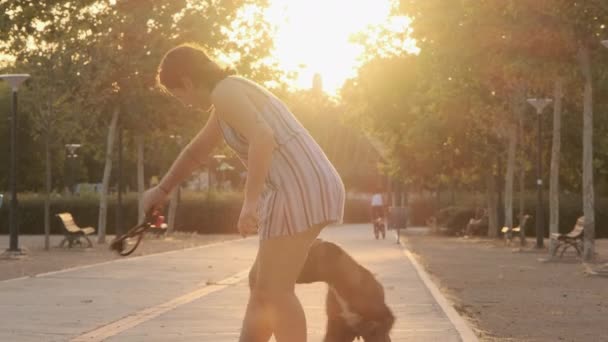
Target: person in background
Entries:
(378, 205)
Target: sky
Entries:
(314, 36)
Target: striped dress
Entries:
(302, 188)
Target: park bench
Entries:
(572, 239)
(516, 231)
(73, 233)
(477, 224)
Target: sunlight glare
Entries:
(314, 36)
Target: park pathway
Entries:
(199, 294)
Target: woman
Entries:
(291, 192)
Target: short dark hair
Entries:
(192, 62)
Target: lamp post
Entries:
(14, 80)
(71, 148)
(119, 182)
(539, 105)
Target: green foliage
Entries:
(443, 114)
(90, 58)
(455, 216)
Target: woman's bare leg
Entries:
(273, 307)
(256, 326)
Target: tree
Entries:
(43, 46)
(117, 46)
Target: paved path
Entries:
(200, 294)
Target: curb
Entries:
(465, 332)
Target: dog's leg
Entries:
(337, 329)
(315, 269)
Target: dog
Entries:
(354, 302)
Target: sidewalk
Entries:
(200, 295)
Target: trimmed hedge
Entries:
(219, 212)
(455, 218)
(197, 212)
(420, 209)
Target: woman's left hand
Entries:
(248, 220)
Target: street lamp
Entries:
(14, 80)
(539, 105)
(71, 160)
(178, 141)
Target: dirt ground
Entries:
(511, 295)
(37, 260)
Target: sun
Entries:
(315, 36)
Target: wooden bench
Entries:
(516, 231)
(73, 233)
(477, 224)
(572, 239)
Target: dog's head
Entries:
(377, 330)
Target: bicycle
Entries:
(379, 228)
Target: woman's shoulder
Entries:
(236, 80)
(231, 84)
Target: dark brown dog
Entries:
(355, 299)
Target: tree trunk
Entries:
(47, 200)
(335, 144)
(389, 191)
(173, 210)
(499, 186)
(394, 195)
(452, 193)
(588, 194)
(518, 108)
(491, 199)
(509, 177)
(356, 155)
(522, 178)
(555, 159)
(103, 198)
(140, 176)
